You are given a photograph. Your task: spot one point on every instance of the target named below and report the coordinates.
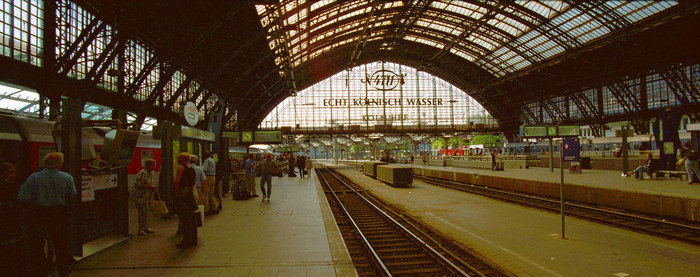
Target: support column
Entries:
(121, 219)
(166, 177)
(71, 147)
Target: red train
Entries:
(25, 141)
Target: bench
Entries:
(672, 173)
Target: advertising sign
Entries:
(571, 149)
(191, 113)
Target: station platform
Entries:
(590, 177)
(528, 242)
(294, 234)
(669, 198)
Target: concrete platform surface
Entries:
(528, 242)
(293, 234)
(589, 177)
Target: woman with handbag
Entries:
(185, 204)
(143, 193)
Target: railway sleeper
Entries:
(414, 272)
(408, 263)
(404, 256)
(381, 249)
(378, 230)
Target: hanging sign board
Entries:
(247, 137)
(268, 137)
(549, 131)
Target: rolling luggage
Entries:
(240, 193)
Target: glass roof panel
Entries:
(511, 25)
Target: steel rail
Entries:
(407, 232)
(377, 260)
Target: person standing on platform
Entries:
(214, 190)
(201, 194)
(12, 243)
(691, 162)
(292, 165)
(300, 165)
(45, 194)
(309, 165)
(185, 204)
(493, 158)
(143, 193)
(411, 158)
(269, 167)
(249, 166)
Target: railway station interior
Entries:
(404, 138)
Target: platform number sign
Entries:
(290, 139)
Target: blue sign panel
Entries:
(570, 149)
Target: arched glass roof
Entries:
(380, 94)
(499, 36)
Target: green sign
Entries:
(549, 131)
(268, 137)
(569, 131)
(534, 131)
(247, 136)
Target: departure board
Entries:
(268, 137)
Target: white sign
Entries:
(104, 181)
(191, 113)
(87, 192)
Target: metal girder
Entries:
(184, 85)
(410, 15)
(625, 97)
(531, 118)
(163, 80)
(681, 86)
(87, 35)
(136, 84)
(599, 10)
(105, 60)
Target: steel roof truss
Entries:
(134, 86)
(87, 36)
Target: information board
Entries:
(268, 137)
(534, 131)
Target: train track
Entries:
(620, 219)
(382, 243)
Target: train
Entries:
(25, 141)
(591, 146)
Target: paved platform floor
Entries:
(528, 242)
(589, 177)
(293, 234)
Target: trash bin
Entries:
(585, 163)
